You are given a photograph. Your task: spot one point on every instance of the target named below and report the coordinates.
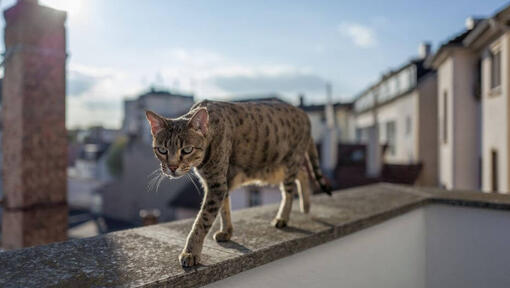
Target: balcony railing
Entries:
(147, 256)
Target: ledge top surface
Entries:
(147, 256)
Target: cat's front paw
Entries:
(279, 222)
(221, 236)
(188, 259)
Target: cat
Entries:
(230, 144)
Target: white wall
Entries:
(466, 118)
(434, 246)
(406, 144)
(459, 156)
(495, 119)
(380, 256)
(317, 125)
(365, 119)
(467, 247)
(445, 86)
(239, 198)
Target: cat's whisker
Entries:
(160, 179)
(154, 172)
(194, 184)
(152, 182)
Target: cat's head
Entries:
(179, 144)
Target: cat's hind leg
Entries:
(226, 228)
(303, 189)
(287, 187)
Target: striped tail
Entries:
(313, 161)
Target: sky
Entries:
(229, 49)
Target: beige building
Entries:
(396, 111)
(490, 42)
(459, 113)
(473, 90)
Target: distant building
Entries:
(399, 111)
(459, 112)
(474, 107)
(131, 192)
(164, 103)
(342, 115)
(490, 42)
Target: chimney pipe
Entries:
(470, 22)
(424, 49)
(301, 100)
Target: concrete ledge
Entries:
(147, 257)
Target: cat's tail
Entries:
(312, 159)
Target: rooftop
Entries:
(147, 256)
(321, 107)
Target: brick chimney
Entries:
(34, 134)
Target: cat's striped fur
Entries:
(233, 144)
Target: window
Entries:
(392, 87)
(254, 197)
(408, 125)
(404, 80)
(478, 80)
(494, 170)
(495, 69)
(358, 135)
(445, 117)
(391, 136)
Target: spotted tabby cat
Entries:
(233, 144)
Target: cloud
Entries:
(79, 83)
(96, 95)
(266, 83)
(361, 35)
(208, 75)
(203, 73)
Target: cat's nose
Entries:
(172, 168)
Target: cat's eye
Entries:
(187, 150)
(162, 150)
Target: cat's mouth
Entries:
(174, 175)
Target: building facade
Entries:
(459, 113)
(164, 103)
(473, 90)
(490, 42)
(396, 112)
(342, 112)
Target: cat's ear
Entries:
(200, 120)
(157, 122)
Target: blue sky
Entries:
(217, 49)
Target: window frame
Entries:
(496, 69)
(445, 118)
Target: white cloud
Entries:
(97, 93)
(362, 36)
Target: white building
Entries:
(490, 42)
(473, 90)
(459, 113)
(397, 111)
